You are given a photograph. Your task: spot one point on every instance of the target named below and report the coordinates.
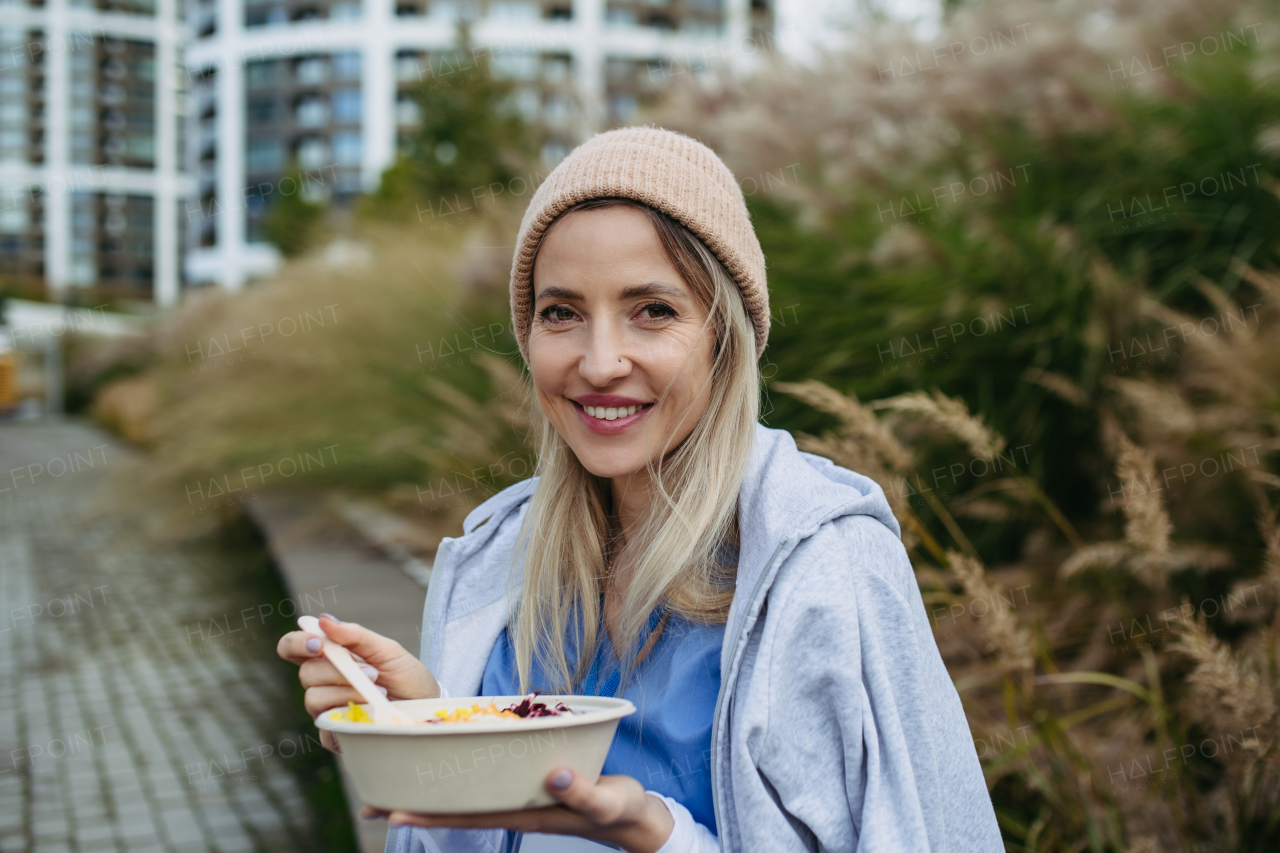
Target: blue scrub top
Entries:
(666, 744)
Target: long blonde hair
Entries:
(673, 557)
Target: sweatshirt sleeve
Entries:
(687, 836)
(866, 745)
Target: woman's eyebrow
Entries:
(651, 288)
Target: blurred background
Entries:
(256, 360)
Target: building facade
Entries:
(91, 143)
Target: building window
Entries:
(620, 17)
(262, 110)
(559, 109)
(15, 220)
(312, 71)
(515, 11)
(346, 148)
(140, 148)
(345, 11)
(311, 111)
(408, 67)
(555, 69)
(553, 152)
(346, 106)
(519, 67)
(346, 65)
(445, 10)
(313, 152)
(264, 155)
(529, 103)
(624, 108)
(407, 111)
(261, 73)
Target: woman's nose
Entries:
(605, 358)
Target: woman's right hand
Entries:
(399, 674)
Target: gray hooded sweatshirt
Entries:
(837, 727)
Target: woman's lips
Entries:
(613, 427)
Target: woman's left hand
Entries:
(615, 809)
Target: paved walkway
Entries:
(143, 708)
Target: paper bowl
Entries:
(456, 768)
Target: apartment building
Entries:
(329, 84)
(91, 135)
(143, 141)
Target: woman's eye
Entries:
(555, 314)
(660, 308)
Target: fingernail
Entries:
(383, 689)
(370, 671)
(331, 616)
(313, 645)
(562, 779)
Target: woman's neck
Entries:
(630, 498)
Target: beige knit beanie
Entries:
(667, 171)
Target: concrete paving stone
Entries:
(52, 847)
(98, 845)
(90, 815)
(94, 831)
(64, 837)
(220, 819)
(163, 778)
(133, 809)
(123, 791)
(119, 766)
(135, 825)
(265, 820)
(168, 796)
(236, 844)
(86, 795)
(134, 834)
(49, 825)
(182, 827)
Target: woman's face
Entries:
(613, 324)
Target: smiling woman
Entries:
(753, 602)
(628, 301)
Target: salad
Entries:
(526, 708)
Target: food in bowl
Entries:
(524, 709)
(457, 756)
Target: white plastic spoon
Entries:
(350, 670)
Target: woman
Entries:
(753, 601)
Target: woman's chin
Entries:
(610, 465)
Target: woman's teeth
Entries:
(612, 414)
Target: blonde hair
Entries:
(673, 557)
